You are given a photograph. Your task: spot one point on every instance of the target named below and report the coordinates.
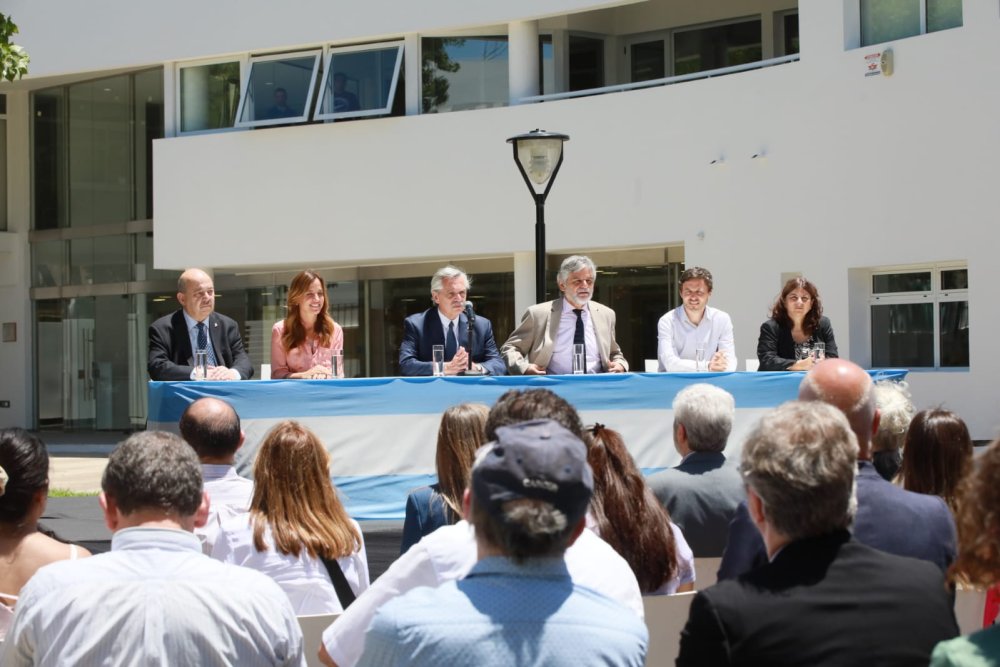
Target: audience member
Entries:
(297, 531)
(430, 507)
(797, 323)
(447, 324)
(196, 326)
(450, 552)
(543, 342)
(937, 454)
(888, 518)
(154, 599)
(627, 516)
(823, 598)
(702, 492)
(694, 326)
(304, 343)
(978, 561)
(24, 547)
(343, 99)
(212, 428)
(892, 398)
(518, 605)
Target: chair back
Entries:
(665, 618)
(312, 635)
(969, 606)
(706, 572)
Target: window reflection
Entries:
(703, 49)
(209, 96)
(903, 335)
(462, 73)
(280, 89)
(360, 82)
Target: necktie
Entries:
(578, 336)
(203, 344)
(451, 344)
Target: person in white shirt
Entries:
(154, 599)
(694, 326)
(212, 428)
(297, 531)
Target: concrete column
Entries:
(522, 60)
(413, 69)
(524, 282)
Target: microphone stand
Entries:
(470, 317)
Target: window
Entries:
(586, 62)
(462, 73)
(279, 89)
(920, 318)
(360, 81)
(786, 33)
(886, 20)
(694, 49)
(209, 95)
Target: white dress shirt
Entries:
(448, 554)
(154, 599)
(678, 339)
(303, 578)
(228, 495)
(192, 325)
(562, 350)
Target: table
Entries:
(382, 432)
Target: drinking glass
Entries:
(201, 364)
(579, 359)
(437, 359)
(803, 351)
(336, 364)
(699, 360)
(819, 351)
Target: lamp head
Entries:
(538, 154)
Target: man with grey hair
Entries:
(543, 343)
(155, 598)
(447, 324)
(702, 492)
(823, 597)
(896, 409)
(889, 518)
(527, 500)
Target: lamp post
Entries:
(538, 155)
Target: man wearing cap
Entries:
(528, 497)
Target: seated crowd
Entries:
(535, 547)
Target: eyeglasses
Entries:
(794, 297)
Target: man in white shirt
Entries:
(155, 598)
(212, 428)
(694, 326)
(450, 552)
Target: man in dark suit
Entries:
(823, 598)
(702, 492)
(888, 518)
(447, 325)
(173, 338)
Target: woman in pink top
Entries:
(303, 344)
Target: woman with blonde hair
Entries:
(297, 531)
(24, 489)
(430, 507)
(303, 344)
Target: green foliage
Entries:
(68, 493)
(13, 58)
(436, 59)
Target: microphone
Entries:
(469, 312)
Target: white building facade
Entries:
(148, 139)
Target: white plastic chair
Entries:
(652, 365)
(312, 635)
(665, 618)
(753, 364)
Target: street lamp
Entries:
(538, 155)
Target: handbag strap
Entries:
(339, 581)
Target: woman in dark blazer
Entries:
(430, 507)
(796, 322)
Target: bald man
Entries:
(888, 518)
(173, 338)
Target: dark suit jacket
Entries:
(701, 495)
(426, 511)
(776, 348)
(889, 519)
(824, 601)
(423, 331)
(170, 347)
